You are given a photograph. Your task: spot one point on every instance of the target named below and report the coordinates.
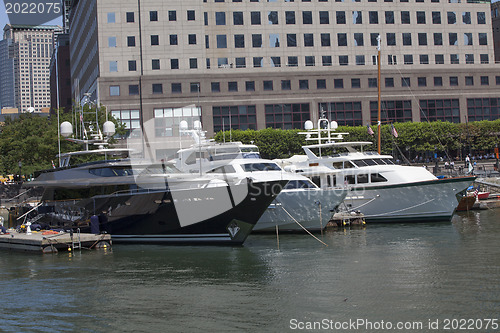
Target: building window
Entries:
(483, 109)
(293, 61)
(438, 81)
(258, 62)
(469, 58)
(194, 87)
(255, 18)
(453, 81)
(286, 85)
(358, 39)
(130, 17)
(372, 82)
(193, 63)
(153, 15)
(215, 86)
(155, 40)
(130, 118)
(452, 18)
(373, 17)
(304, 84)
(454, 59)
(249, 85)
(173, 39)
(325, 39)
(242, 117)
(310, 61)
(389, 82)
(357, 17)
(232, 86)
(420, 17)
(130, 41)
(440, 110)
(133, 89)
(338, 83)
(192, 39)
(287, 116)
(239, 41)
(355, 83)
(392, 111)
(307, 17)
(272, 17)
(424, 59)
(176, 88)
(407, 38)
(114, 90)
(344, 113)
(342, 39)
(467, 38)
(308, 40)
(320, 84)
(485, 81)
(343, 60)
(439, 59)
(405, 82)
(405, 17)
(191, 15)
(275, 61)
(256, 40)
(422, 81)
(324, 18)
(157, 88)
(174, 63)
(172, 15)
(438, 38)
(237, 18)
(111, 41)
(274, 40)
(340, 17)
(422, 38)
(481, 18)
(113, 66)
(221, 41)
(469, 80)
(240, 62)
(436, 17)
(220, 18)
(389, 17)
(391, 39)
(167, 120)
(289, 17)
(484, 58)
(466, 18)
(326, 60)
(483, 38)
(132, 65)
(268, 85)
(453, 38)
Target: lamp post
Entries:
(496, 155)
(20, 164)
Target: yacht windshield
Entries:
(261, 167)
(295, 184)
(112, 171)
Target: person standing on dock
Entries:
(2, 228)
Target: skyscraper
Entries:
(29, 51)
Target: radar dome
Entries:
(66, 129)
(308, 125)
(183, 125)
(108, 128)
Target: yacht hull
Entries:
(293, 210)
(221, 215)
(425, 201)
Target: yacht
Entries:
(378, 188)
(300, 205)
(139, 201)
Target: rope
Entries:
(319, 240)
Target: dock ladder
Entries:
(75, 244)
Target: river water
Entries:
(422, 277)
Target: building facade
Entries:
(277, 63)
(60, 74)
(7, 74)
(30, 49)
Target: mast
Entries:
(378, 85)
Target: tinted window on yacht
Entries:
(362, 179)
(111, 172)
(350, 179)
(360, 163)
(371, 162)
(293, 184)
(261, 167)
(223, 169)
(379, 161)
(388, 161)
(377, 178)
(83, 193)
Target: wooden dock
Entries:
(52, 242)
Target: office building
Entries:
(278, 63)
(30, 50)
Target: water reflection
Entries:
(381, 272)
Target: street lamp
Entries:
(496, 155)
(20, 166)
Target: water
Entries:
(409, 273)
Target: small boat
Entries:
(466, 203)
(483, 195)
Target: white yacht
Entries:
(301, 203)
(378, 188)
